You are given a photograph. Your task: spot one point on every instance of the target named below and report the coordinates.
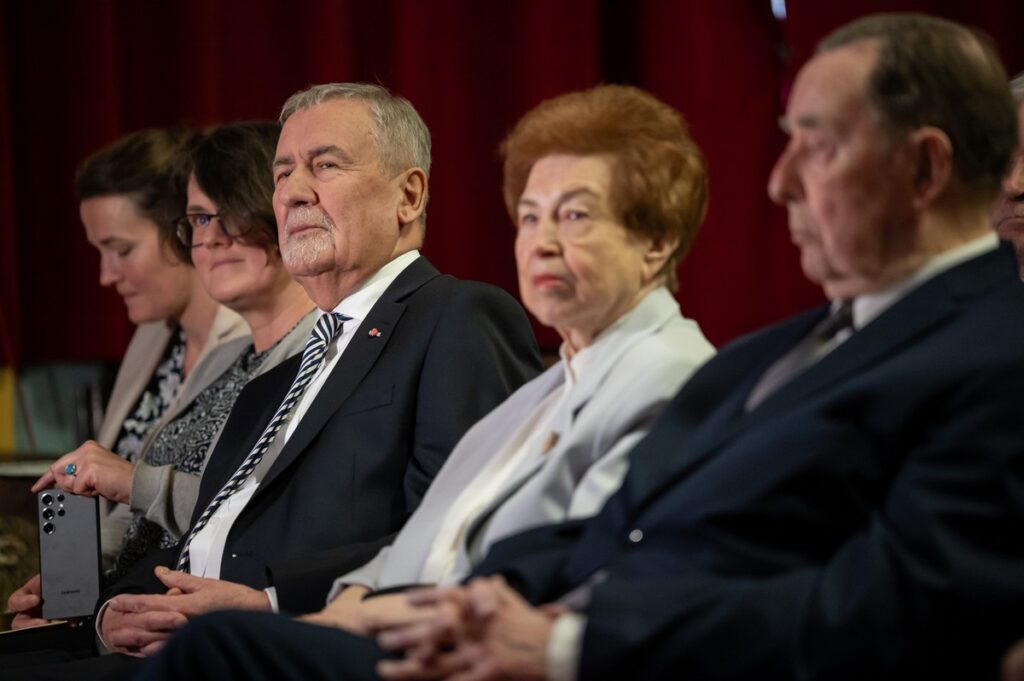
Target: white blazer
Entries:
(641, 364)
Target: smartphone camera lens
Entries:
(48, 528)
(48, 514)
(60, 497)
(47, 500)
(60, 512)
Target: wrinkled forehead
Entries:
(554, 172)
(343, 123)
(833, 85)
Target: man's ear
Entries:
(413, 185)
(933, 169)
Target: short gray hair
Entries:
(1017, 88)
(403, 140)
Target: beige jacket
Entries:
(229, 335)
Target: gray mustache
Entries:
(303, 216)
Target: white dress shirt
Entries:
(207, 547)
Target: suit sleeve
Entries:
(140, 579)
(628, 403)
(366, 575)
(166, 496)
(532, 561)
(944, 543)
(302, 585)
(481, 351)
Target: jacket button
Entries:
(636, 535)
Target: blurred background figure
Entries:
(1008, 213)
(131, 193)
(228, 233)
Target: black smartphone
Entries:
(69, 554)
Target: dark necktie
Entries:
(324, 331)
(806, 353)
(839, 319)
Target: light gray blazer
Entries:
(167, 495)
(641, 363)
(228, 336)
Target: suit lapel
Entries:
(355, 363)
(887, 334)
(706, 411)
(918, 313)
(649, 318)
(545, 384)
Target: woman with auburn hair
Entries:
(606, 190)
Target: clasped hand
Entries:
(140, 624)
(484, 630)
(349, 611)
(27, 602)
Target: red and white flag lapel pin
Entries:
(375, 333)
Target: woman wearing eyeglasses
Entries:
(128, 190)
(131, 193)
(228, 234)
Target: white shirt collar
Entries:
(358, 303)
(650, 310)
(870, 305)
(575, 361)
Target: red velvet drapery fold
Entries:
(75, 77)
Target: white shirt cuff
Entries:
(100, 643)
(565, 647)
(272, 597)
(336, 588)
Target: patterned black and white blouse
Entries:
(182, 443)
(163, 387)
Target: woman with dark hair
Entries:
(228, 233)
(131, 192)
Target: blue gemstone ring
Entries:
(70, 469)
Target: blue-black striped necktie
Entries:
(326, 328)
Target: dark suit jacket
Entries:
(866, 521)
(363, 455)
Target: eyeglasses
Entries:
(191, 224)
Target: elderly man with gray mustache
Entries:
(324, 458)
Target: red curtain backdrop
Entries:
(77, 75)
(10, 308)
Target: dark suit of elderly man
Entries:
(835, 497)
(410, 359)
